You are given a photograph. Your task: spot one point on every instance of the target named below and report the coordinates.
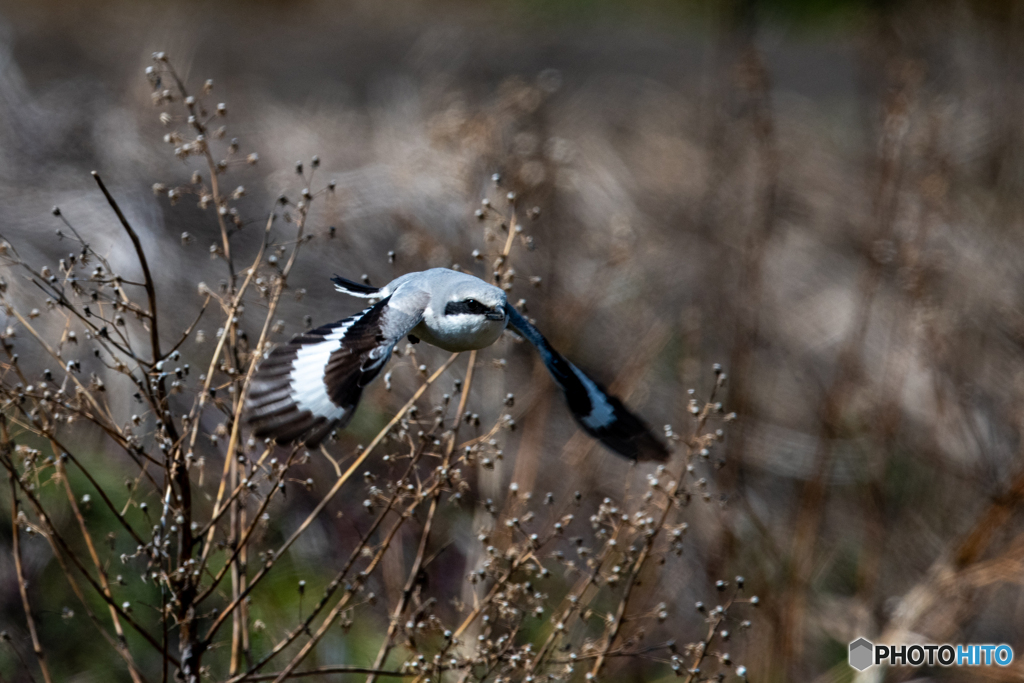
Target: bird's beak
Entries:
(497, 313)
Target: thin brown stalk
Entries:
(52, 531)
(100, 417)
(233, 440)
(356, 553)
(77, 590)
(60, 450)
(649, 541)
(101, 572)
(243, 540)
(328, 497)
(349, 592)
(521, 559)
(37, 647)
(421, 550)
(336, 669)
(211, 165)
(154, 333)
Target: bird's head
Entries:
(475, 299)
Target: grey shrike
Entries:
(304, 389)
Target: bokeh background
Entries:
(824, 197)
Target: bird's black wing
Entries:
(304, 389)
(596, 411)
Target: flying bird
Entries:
(304, 389)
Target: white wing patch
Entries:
(307, 375)
(602, 413)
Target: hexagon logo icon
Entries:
(861, 654)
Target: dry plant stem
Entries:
(218, 201)
(233, 440)
(104, 582)
(579, 592)
(58, 451)
(68, 575)
(840, 392)
(520, 560)
(241, 544)
(191, 328)
(417, 564)
(231, 310)
(507, 250)
(504, 261)
(99, 417)
(998, 513)
(884, 432)
(237, 579)
(154, 334)
(51, 531)
(59, 298)
(349, 592)
(16, 552)
(323, 670)
(638, 565)
(195, 414)
(77, 590)
(702, 651)
(958, 573)
(239, 488)
(618, 652)
(748, 305)
(327, 498)
(336, 581)
(22, 660)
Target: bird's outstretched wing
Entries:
(311, 385)
(596, 411)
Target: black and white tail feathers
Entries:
(312, 384)
(596, 411)
(354, 288)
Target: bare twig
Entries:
(154, 334)
(16, 552)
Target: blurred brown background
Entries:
(824, 197)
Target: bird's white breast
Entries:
(458, 332)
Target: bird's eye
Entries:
(466, 307)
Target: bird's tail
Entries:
(355, 288)
(596, 411)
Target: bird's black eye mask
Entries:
(469, 307)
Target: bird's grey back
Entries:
(441, 284)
